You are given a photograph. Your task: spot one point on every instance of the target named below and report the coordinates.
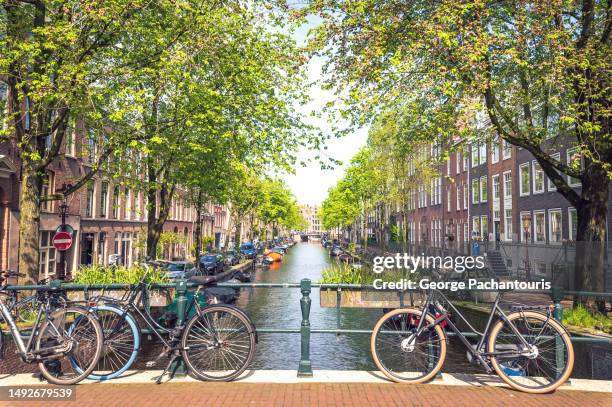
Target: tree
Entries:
(64, 62)
(539, 70)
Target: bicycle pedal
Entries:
(151, 363)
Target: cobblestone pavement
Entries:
(314, 394)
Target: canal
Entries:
(280, 308)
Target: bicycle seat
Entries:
(11, 273)
(203, 280)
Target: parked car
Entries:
(248, 250)
(211, 264)
(177, 269)
(232, 258)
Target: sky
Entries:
(310, 184)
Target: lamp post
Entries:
(63, 210)
(526, 235)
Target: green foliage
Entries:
(581, 316)
(344, 273)
(97, 274)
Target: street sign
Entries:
(62, 241)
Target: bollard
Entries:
(305, 368)
(178, 366)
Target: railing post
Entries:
(305, 368)
(557, 295)
(180, 295)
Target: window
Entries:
(448, 200)
(484, 227)
(436, 186)
(91, 147)
(465, 161)
(466, 232)
(573, 223)
(137, 205)
(103, 199)
(555, 231)
(572, 157)
(483, 189)
(495, 182)
(525, 227)
(47, 189)
(128, 204)
(508, 184)
(539, 235)
(458, 162)
(551, 186)
(70, 139)
(474, 155)
(465, 196)
(116, 202)
(506, 150)
(482, 153)
(495, 151)
(508, 223)
(89, 200)
(46, 263)
(538, 178)
(458, 197)
(475, 191)
(525, 182)
(475, 226)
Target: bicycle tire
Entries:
(69, 357)
(513, 380)
(108, 348)
(386, 321)
(203, 324)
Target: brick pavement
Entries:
(316, 395)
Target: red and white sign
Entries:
(62, 241)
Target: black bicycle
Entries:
(217, 343)
(528, 349)
(65, 340)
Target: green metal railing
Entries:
(305, 286)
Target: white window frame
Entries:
(508, 224)
(506, 150)
(484, 226)
(458, 162)
(494, 182)
(483, 182)
(458, 197)
(475, 184)
(550, 225)
(535, 225)
(570, 229)
(482, 153)
(534, 178)
(495, 151)
(474, 154)
(507, 191)
(521, 168)
(466, 195)
(551, 186)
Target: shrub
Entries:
(583, 317)
(97, 274)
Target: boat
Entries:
(276, 256)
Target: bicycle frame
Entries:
(25, 350)
(478, 352)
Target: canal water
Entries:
(280, 308)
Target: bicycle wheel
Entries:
(26, 309)
(403, 355)
(541, 369)
(71, 343)
(218, 345)
(121, 342)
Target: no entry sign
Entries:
(62, 241)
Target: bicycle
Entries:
(217, 343)
(65, 341)
(527, 348)
(24, 309)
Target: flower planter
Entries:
(366, 299)
(157, 298)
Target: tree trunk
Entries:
(198, 229)
(591, 233)
(29, 222)
(155, 224)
